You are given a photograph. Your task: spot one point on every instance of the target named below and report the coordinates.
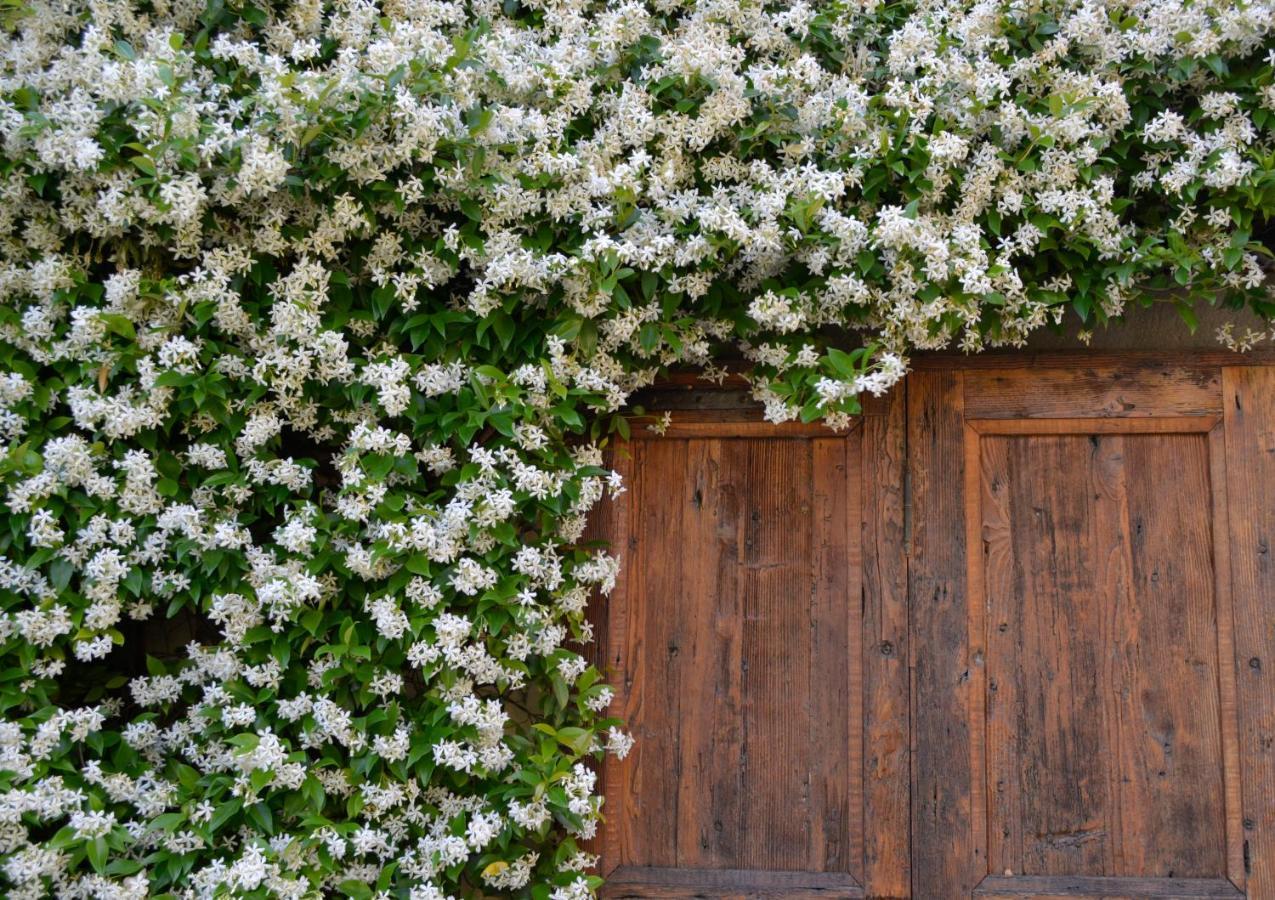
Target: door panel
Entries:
(1104, 753)
(745, 566)
(743, 698)
(1010, 637)
(737, 640)
(1073, 641)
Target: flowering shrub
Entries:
(315, 315)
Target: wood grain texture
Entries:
(1102, 673)
(1093, 392)
(1133, 425)
(887, 723)
(945, 859)
(641, 881)
(834, 630)
(743, 672)
(1249, 404)
(1088, 359)
(1058, 887)
(724, 423)
(1066, 678)
(645, 788)
(1232, 777)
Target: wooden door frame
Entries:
(724, 410)
(908, 796)
(951, 404)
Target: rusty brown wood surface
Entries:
(1011, 636)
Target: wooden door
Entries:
(1011, 636)
(757, 619)
(1092, 605)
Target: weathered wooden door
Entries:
(746, 650)
(1093, 602)
(1010, 637)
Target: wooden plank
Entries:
(1172, 801)
(949, 361)
(993, 578)
(887, 725)
(639, 881)
(648, 789)
(1048, 887)
(777, 567)
(976, 637)
(1228, 705)
(688, 389)
(1159, 425)
(705, 604)
(711, 397)
(1109, 561)
(1124, 391)
(834, 627)
(945, 859)
(1249, 404)
(1102, 668)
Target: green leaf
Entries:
(649, 336)
(252, 15)
(1188, 316)
(504, 327)
(118, 324)
(97, 853)
(842, 363)
(144, 165)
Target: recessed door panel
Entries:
(762, 608)
(1103, 741)
(743, 690)
(1012, 636)
(1073, 636)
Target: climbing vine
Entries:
(316, 317)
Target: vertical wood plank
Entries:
(1172, 797)
(656, 674)
(1231, 777)
(946, 861)
(777, 568)
(1049, 668)
(705, 602)
(1249, 411)
(1111, 563)
(1000, 581)
(834, 633)
(886, 649)
(976, 636)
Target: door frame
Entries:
(1085, 392)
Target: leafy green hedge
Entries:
(315, 318)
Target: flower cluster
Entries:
(316, 317)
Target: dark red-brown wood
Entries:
(736, 643)
(1249, 407)
(1072, 633)
(762, 606)
(1011, 636)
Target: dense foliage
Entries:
(315, 316)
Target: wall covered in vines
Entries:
(315, 318)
